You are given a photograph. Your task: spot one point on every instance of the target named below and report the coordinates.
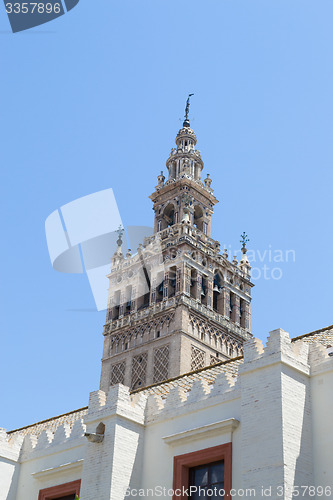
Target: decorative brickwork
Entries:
(197, 358)
(117, 373)
(214, 360)
(161, 364)
(139, 370)
(177, 285)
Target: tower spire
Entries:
(244, 240)
(118, 255)
(186, 122)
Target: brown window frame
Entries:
(72, 488)
(183, 463)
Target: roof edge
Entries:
(48, 420)
(199, 370)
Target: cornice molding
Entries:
(217, 428)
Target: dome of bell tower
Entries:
(186, 133)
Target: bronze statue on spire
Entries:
(187, 111)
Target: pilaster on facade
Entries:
(113, 463)
(276, 415)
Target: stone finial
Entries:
(160, 179)
(235, 261)
(244, 262)
(118, 255)
(244, 239)
(225, 254)
(208, 182)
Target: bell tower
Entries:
(178, 304)
(184, 197)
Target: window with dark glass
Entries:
(209, 480)
(66, 491)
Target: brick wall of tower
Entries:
(178, 268)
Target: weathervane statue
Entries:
(187, 111)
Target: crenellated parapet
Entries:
(64, 437)
(279, 348)
(10, 446)
(117, 402)
(320, 358)
(306, 355)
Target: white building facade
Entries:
(267, 417)
(190, 404)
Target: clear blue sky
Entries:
(93, 100)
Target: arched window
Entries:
(217, 295)
(159, 286)
(193, 285)
(198, 217)
(128, 300)
(116, 305)
(172, 281)
(204, 291)
(169, 215)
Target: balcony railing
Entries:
(171, 302)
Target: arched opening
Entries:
(128, 300)
(169, 215)
(204, 291)
(172, 281)
(198, 217)
(217, 293)
(116, 305)
(159, 287)
(143, 301)
(193, 288)
(173, 170)
(232, 307)
(242, 313)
